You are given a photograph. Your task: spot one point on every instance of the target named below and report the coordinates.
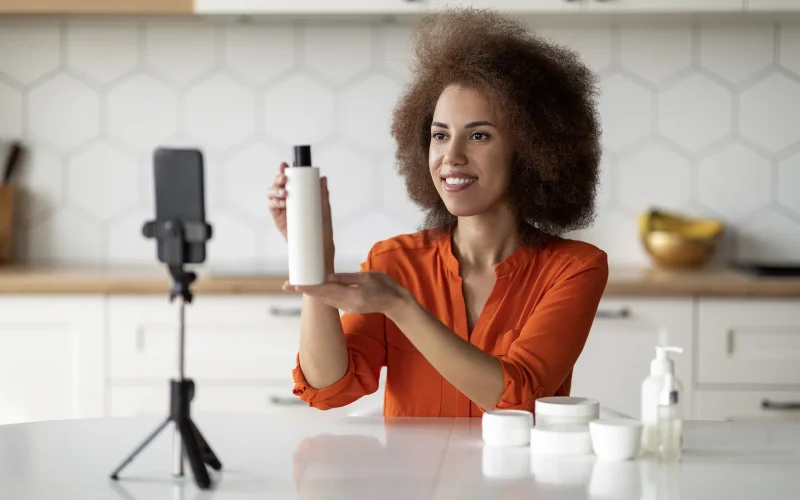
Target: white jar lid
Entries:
(565, 439)
(507, 427)
(567, 406)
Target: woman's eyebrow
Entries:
(468, 125)
(481, 123)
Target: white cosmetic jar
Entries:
(565, 410)
(561, 440)
(616, 438)
(507, 427)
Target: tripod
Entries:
(176, 234)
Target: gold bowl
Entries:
(675, 241)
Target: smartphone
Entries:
(180, 196)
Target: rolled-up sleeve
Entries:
(365, 335)
(550, 342)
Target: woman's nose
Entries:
(455, 153)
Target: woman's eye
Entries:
(438, 136)
(480, 136)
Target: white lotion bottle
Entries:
(660, 368)
(304, 220)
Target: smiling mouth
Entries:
(457, 183)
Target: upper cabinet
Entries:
(666, 5)
(96, 6)
(310, 6)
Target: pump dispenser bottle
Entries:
(304, 220)
(670, 421)
(660, 368)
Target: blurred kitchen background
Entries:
(700, 108)
(700, 115)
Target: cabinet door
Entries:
(664, 5)
(308, 6)
(513, 5)
(51, 358)
(252, 338)
(767, 406)
(153, 399)
(616, 357)
(749, 341)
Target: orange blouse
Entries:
(535, 321)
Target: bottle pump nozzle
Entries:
(662, 350)
(662, 364)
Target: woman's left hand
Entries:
(364, 292)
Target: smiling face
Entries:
(469, 158)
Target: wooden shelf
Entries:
(96, 6)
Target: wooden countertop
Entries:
(155, 280)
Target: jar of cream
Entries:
(565, 410)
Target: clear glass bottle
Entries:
(670, 423)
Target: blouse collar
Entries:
(521, 255)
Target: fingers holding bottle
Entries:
(327, 225)
(276, 196)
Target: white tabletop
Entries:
(323, 456)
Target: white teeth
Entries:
(458, 180)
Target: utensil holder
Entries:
(6, 222)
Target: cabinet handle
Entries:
(284, 311)
(729, 339)
(285, 401)
(621, 313)
(766, 404)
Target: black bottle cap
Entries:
(302, 156)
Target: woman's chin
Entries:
(463, 210)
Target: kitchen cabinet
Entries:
(78, 356)
(663, 5)
(51, 358)
(761, 405)
(153, 399)
(240, 351)
(310, 6)
(96, 6)
(616, 358)
(749, 342)
(245, 338)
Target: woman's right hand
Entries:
(277, 208)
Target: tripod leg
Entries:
(194, 454)
(208, 454)
(140, 448)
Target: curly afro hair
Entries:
(545, 98)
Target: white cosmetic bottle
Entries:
(660, 368)
(304, 220)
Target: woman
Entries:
(487, 306)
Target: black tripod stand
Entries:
(175, 235)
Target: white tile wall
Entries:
(703, 118)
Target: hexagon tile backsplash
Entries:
(700, 118)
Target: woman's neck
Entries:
(481, 242)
